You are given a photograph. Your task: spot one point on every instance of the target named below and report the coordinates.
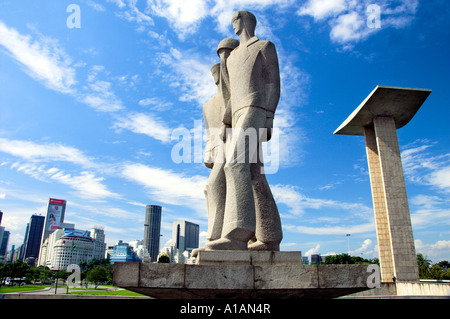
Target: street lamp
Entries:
(348, 244)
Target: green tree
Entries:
(98, 275)
(164, 259)
(347, 259)
(18, 269)
(424, 266)
(444, 264)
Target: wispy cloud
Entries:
(184, 16)
(46, 61)
(332, 230)
(421, 166)
(42, 59)
(86, 184)
(43, 161)
(190, 75)
(48, 152)
(146, 124)
(169, 187)
(299, 203)
(348, 19)
(439, 249)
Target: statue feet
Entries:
(259, 245)
(226, 244)
(195, 251)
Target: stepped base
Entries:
(242, 274)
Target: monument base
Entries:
(241, 274)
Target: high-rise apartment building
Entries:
(152, 228)
(185, 235)
(4, 240)
(32, 241)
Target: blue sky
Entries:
(91, 114)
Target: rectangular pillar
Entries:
(404, 260)
(379, 206)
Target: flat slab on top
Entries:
(399, 103)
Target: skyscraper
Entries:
(152, 229)
(32, 242)
(4, 241)
(185, 235)
(56, 210)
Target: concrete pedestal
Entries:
(242, 274)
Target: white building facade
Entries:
(71, 246)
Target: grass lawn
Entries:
(8, 289)
(103, 292)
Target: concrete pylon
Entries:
(377, 118)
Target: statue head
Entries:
(243, 20)
(227, 44)
(215, 71)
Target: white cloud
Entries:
(192, 75)
(183, 15)
(86, 185)
(366, 248)
(145, 124)
(312, 251)
(349, 27)
(320, 9)
(98, 93)
(169, 187)
(156, 104)
(422, 167)
(349, 18)
(43, 60)
(437, 251)
(131, 13)
(332, 230)
(44, 152)
(440, 178)
(298, 203)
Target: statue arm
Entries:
(271, 76)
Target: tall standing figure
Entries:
(213, 113)
(251, 218)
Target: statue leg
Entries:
(268, 224)
(215, 193)
(240, 217)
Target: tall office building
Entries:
(56, 210)
(185, 235)
(32, 241)
(152, 229)
(4, 241)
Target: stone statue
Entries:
(213, 112)
(250, 219)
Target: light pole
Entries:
(348, 244)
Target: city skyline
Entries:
(91, 114)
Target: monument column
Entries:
(378, 117)
(379, 205)
(404, 257)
